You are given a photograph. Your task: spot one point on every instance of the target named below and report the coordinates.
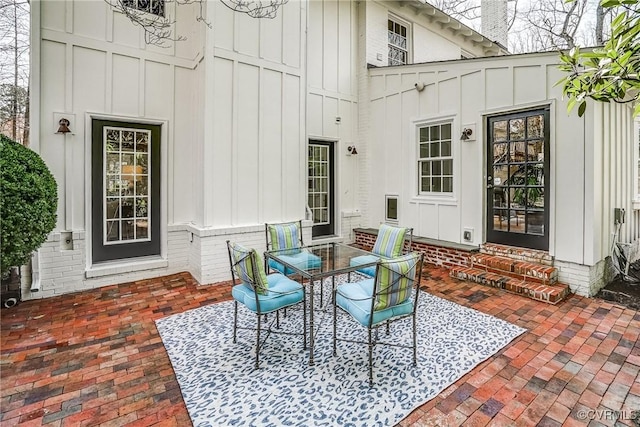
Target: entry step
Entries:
(518, 254)
(523, 270)
(549, 293)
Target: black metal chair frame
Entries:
(259, 313)
(373, 340)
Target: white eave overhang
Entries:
(446, 22)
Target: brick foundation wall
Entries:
(445, 255)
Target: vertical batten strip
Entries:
(141, 86)
(171, 146)
(261, 190)
(109, 24)
(68, 140)
(108, 93)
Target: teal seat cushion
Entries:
(282, 292)
(303, 260)
(365, 259)
(355, 298)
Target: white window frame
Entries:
(406, 25)
(419, 160)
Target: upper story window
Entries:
(155, 7)
(398, 42)
(435, 159)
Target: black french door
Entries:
(320, 189)
(518, 179)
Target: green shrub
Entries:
(28, 203)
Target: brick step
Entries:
(518, 254)
(551, 294)
(523, 270)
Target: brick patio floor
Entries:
(95, 358)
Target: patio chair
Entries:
(288, 235)
(260, 293)
(390, 296)
(390, 243)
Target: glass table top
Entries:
(334, 258)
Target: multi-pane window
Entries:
(435, 159)
(126, 185)
(155, 7)
(398, 50)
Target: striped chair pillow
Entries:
(394, 280)
(249, 267)
(284, 236)
(390, 241)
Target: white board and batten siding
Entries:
(231, 102)
(254, 150)
(590, 158)
(332, 97)
(92, 62)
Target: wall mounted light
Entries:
(352, 149)
(63, 126)
(466, 134)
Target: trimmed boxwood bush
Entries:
(28, 203)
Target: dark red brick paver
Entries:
(95, 358)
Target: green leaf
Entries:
(582, 108)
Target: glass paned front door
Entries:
(517, 184)
(125, 169)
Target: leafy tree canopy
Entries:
(611, 72)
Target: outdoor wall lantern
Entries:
(63, 126)
(466, 134)
(352, 149)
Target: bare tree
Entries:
(14, 69)
(153, 18)
(542, 25)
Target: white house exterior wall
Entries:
(254, 152)
(93, 61)
(332, 87)
(466, 92)
(231, 104)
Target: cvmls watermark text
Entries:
(608, 414)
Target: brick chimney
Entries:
(494, 20)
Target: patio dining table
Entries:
(334, 258)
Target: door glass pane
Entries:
(126, 185)
(500, 131)
(500, 219)
(516, 129)
(535, 222)
(500, 153)
(535, 126)
(516, 152)
(535, 151)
